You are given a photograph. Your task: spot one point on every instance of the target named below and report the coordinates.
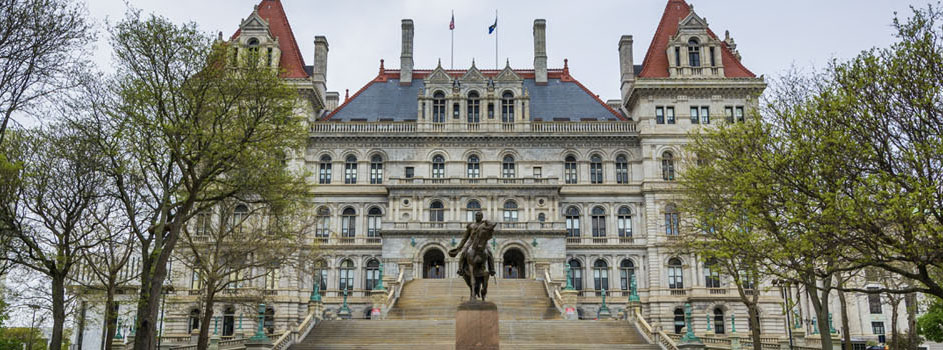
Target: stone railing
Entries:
(356, 240)
(657, 336)
(550, 127)
(722, 342)
(475, 181)
(394, 293)
(293, 336)
(553, 292)
(606, 240)
(228, 344)
(452, 225)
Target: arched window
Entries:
(239, 215)
(472, 207)
(194, 320)
(376, 170)
(622, 169)
(694, 53)
(624, 222)
(438, 107)
(572, 222)
(679, 320)
(672, 225)
(269, 321)
(675, 274)
(320, 272)
(436, 212)
(510, 211)
(595, 169)
(346, 275)
(324, 170)
(204, 223)
(438, 166)
(473, 167)
(576, 274)
(598, 221)
(541, 217)
(626, 271)
(570, 170)
(507, 167)
(718, 321)
(350, 170)
(667, 166)
(323, 228)
(371, 274)
(253, 44)
(711, 274)
(507, 107)
(600, 276)
(348, 222)
(374, 220)
(474, 108)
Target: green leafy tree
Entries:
(183, 130)
(930, 325)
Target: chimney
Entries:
(540, 51)
(319, 71)
(332, 98)
(406, 59)
(626, 66)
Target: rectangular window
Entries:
(410, 172)
(670, 115)
(713, 60)
(659, 115)
(350, 173)
(677, 56)
(705, 115)
(739, 114)
(324, 173)
(456, 111)
(728, 113)
(376, 173)
(878, 329)
(491, 111)
(538, 172)
(694, 115)
(874, 302)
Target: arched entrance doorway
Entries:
(513, 263)
(433, 264)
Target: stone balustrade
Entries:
(452, 181)
(550, 127)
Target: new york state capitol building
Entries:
(401, 166)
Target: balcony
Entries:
(474, 181)
(528, 227)
(348, 241)
(607, 240)
(412, 128)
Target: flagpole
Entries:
(496, 38)
(452, 57)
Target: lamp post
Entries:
(31, 322)
(785, 292)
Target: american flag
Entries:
(452, 23)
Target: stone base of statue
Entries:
(691, 346)
(259, 342)
(476, 326)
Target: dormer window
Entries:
(694, 53)
(253, 44)
(507, 107)
(474, 108)
(438, 107)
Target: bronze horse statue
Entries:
(476, 256)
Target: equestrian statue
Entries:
(476, 256)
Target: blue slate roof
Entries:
(389, 101)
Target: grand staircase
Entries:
(423, 318)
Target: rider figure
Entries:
(474, 231)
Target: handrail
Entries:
(291, 337)
(394, 293)
(555, 295)
(657, 336)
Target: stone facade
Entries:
(400, 167)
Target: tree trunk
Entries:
(754, 315)
(210, 295)
(111, 319)
(80, 333)
(895, 304)
(58, 310)
(820, 306)
(153, 273)
(911, 303)
(846, 333)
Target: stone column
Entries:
(569, 304)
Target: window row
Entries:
(600, 275)
(699, 114)
(325, 169)
(348, 227)
(229, 320)
(598, 222)
(473, 108)
(346, 274)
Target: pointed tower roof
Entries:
(655, 64)
(291, 60)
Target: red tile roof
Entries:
(655, 64)
(291, 60)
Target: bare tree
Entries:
(41, 43)
(51, 214)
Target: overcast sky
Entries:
(771, 35)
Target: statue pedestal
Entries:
(476, 326)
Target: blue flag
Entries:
(492, 27)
